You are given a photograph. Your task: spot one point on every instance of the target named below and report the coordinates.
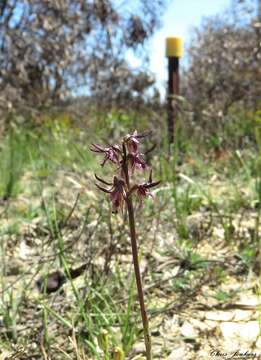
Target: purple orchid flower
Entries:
(110, 153)
(117, 191)
(143, 191)
(135, 162)
(128, 159)
(132, 141)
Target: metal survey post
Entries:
(174, 51)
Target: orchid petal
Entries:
(103, 189)
(102, 181)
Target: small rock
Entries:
(219, 315)
(187, 330)
(242, 315)
(138, 348)
(246, 332)
(51, 283)
(177, 354)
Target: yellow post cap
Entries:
(174, 47)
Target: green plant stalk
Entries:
(11, 176)
(45, 321)
(103, 341)
(106, 355)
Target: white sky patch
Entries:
(133, 60)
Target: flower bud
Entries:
(118, 353)
(103, 340)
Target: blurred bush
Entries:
(54, 50)
(222, 81)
